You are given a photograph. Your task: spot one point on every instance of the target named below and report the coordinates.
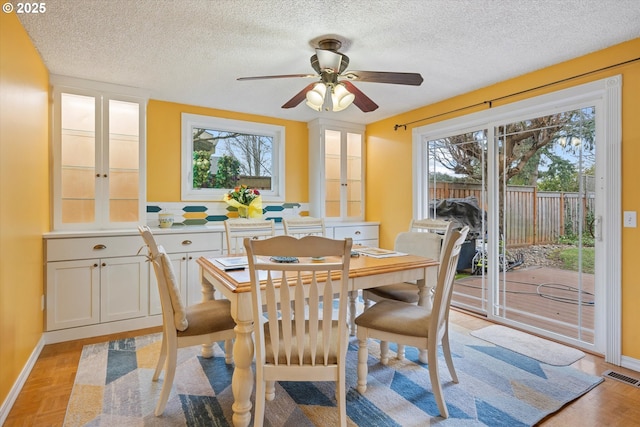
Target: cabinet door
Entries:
(73, 294)
(179, 262)
(336, 176)
(98, 147)
(194, 288)
(124, 284)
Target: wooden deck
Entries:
(557, 300)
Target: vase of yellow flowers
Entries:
(247, 201)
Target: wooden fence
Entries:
(531, 216)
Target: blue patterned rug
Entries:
(497, 387)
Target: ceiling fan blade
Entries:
(413, 79)
(328, 59)
(281, 76)
(298, 97)
(362, 101)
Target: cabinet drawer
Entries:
(92, 247)
(190, 242)
(357, 233)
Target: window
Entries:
(220, 154)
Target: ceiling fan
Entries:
(334, 90)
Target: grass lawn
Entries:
(570, 261)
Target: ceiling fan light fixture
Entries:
(341, 97)
(315, 97)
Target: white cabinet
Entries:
(336, 170)
(123, 288)
(98, 155)
(102, 282)
(72, 294)
(94, 280)
(184, 250)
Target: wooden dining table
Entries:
(364, 272)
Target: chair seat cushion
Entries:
(207, 317)
(396, 317)
(406, 292)
(333, 349)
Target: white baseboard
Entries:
(630, 363)
(102, 329)
(20, 381)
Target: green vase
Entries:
(243, 212)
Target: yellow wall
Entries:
(24, 197)
(390, 151)
(164, 145)
(24, 171)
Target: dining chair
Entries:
(237, 229)
(430, 225)
(425, 238)
(415, 325)
(304, 226)
(287, 278)
(183, 326)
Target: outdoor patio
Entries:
(540, 296)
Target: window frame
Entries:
(190, 121)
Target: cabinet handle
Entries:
(190, 257)
(358, 233)
(184, 258)
(97, 175)
(95, 265)
(98, 247)
(186, 242)
(104, 264)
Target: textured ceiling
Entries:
(192, 51)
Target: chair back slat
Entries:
(298, 298)
(327, 310)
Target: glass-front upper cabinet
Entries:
(98, 155)
(336, 170)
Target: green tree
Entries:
(228, 173)
(201, 168)
(561, 175)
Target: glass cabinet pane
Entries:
(78, 158)
(123, 161)
(354, 175)
(332, 173)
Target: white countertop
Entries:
(175, 229)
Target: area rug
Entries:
(545, 351)
(497, 387)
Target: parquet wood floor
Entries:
(44, 397)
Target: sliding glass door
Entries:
(545, 203)
(541, 196)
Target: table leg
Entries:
(353, 295)
(242, 380)
(207, 295)
(426, 287)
